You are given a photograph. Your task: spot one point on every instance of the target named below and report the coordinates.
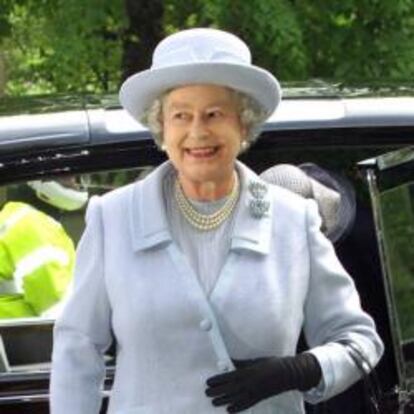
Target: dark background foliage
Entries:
(90, 46)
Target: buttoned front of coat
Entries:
(281, 275)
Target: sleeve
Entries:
(335, 323)
(6, 264)
(11, 305)
(82, 333)
(45, 286)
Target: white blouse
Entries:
(205, 251)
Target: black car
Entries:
(363, 133)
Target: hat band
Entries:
(186, 55)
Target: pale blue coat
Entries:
(281, 274)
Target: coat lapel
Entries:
(252, 231)
(147, 215)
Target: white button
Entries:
(223, 366)
(206, 324)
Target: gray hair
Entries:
(252, 116)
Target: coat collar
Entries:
(149, 225)
(148, 218)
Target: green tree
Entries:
(63, 46)
(271, 29)
(336, 40)
(77, 46)
(3, 78)
(364, 39)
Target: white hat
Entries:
(200, 56)
(58, 195)
(345, 216)
(332, 200)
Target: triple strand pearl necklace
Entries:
(206, 222)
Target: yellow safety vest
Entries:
(36, 261)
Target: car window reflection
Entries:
(38, 239)
(397, 218)
(41, 222)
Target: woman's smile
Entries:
(202, 153)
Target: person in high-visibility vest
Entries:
(36, 253)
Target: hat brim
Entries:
(140, 90)
(328, 201)
(347, 205)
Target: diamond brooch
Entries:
(258, 206)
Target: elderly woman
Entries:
(203, 274)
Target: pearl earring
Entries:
(244, 145)
(163, 147)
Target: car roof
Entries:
(56, 121)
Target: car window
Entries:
(30, 229)
(391, 184)
(398, 225)
(393, 194)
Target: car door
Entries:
(106, 150)
(390, 178)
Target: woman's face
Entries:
(202, 132)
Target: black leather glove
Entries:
(258, 379)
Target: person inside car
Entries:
(36, 253)
(203, 273)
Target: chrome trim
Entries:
(26, 322)
(395, 158)
(24, 399)
(32, 398)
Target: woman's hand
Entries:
(258, 379)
